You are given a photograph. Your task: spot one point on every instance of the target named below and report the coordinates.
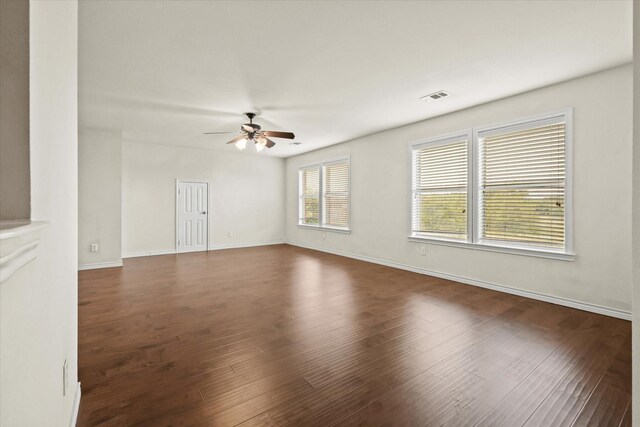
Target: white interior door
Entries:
(192, 229)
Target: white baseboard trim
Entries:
(211, 248)
(148, 253)
(594, 308)
(93, 266)
(76, 407)
(245, 245)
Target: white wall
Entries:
(636, 215)
(600, 274)
(14, 110)
(38, 305)
(247, 196)
(99, 197)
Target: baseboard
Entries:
(76, 407)
(211, 248)
(612, 312)
(93, 266)
(148, 253)
(245, 245)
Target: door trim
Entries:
(195, 181)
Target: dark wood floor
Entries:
(285, 336)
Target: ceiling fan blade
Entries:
(278, 134)
(251, 127)
(216, 133)
(236, 139)
(270, 143)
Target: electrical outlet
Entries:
(324, 235)
(95, 247)
(65, 377)
(423, 250)
(230, 234)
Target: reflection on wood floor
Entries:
(279, 335)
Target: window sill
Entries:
(539, 253)
(331, 229)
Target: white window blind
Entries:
(324, 194)
(439, 202)
(522, 184)
(309, 186)
(336, 194)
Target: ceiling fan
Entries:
(253, 132)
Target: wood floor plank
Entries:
(610, 399)
(444, 401)
(395, 405)
(626, 418)
(519, 405)
(566, 400)
(309, 338)
(472, 401)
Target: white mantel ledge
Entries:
(18, 242)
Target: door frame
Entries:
(195, 181)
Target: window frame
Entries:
(434, 142)
(322, 194)
(302, 197)
(474, 190)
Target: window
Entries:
(522, 184)
(336, 194)
(310, 195)
(329, 179)
(439, 203)
(505, 187)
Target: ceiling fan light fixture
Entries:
(260, 144)
(253, 132)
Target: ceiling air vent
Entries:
(435, 96)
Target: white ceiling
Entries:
(165, 72)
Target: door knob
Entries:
(204, 212)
